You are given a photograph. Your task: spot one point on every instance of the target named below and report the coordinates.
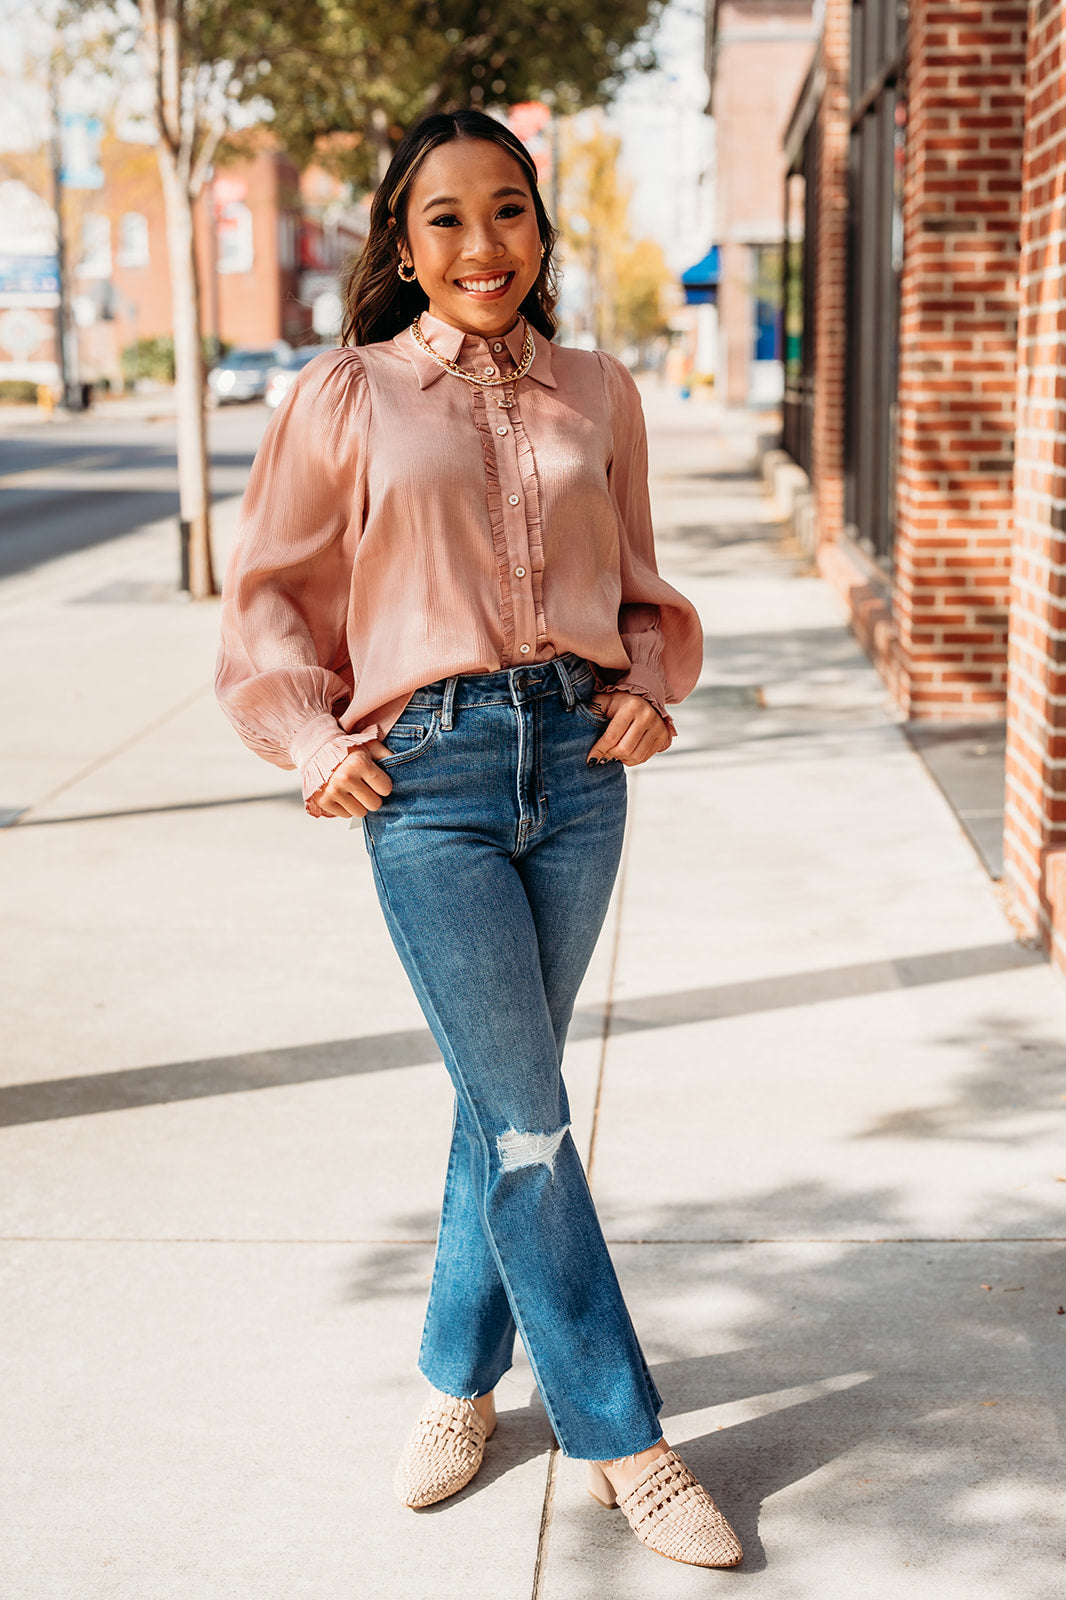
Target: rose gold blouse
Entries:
(400, 526)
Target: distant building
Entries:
(758, 52)
(29, 284)
(270, 242)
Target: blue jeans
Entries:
(494, 858)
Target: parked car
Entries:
(242, 375)
(282, 377)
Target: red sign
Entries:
(528, 119)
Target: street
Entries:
(80, 481)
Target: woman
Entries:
(443, 608)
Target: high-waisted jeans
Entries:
(494, 858)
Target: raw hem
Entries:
(463, 1391)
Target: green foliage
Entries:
(627, 281)
(17, 392)
(154, 358)
(359, 71)
(149, 358)
(643, 278)
(338, 80)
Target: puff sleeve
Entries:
(659, 628)
(283, 671)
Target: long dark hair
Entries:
(377, 303)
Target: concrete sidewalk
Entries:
(820, 1088)
(154, 403)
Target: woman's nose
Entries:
(482, 242)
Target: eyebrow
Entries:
(451, 200)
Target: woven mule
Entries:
(671, 1513)
(443, 1451)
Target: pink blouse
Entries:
(400, 526)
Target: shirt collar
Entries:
(448, 342)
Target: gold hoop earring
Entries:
(407, 273)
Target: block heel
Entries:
(600, 1487)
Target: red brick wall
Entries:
(259, 306)
(132, 184)
(255, 307)
(830, 330)
(958, 318)
(1035, 834)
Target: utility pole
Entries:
(555, 178)
(66, 349)
(215, 316)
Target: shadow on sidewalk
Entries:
(55, 1098)
(900, 1396)
(919, 1384)
(11, 819)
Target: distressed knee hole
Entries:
(518, 1150)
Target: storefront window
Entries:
(94, 260)
(875, 257)
(133, 241)
(767, 299)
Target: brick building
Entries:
(926, 390)
(757, 54)
(269, 239)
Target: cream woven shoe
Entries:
(671, 1513)
(443, 1452)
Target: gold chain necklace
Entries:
(529, 350)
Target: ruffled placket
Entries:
(513, 502)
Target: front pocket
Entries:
(589, 713)
(406, 740)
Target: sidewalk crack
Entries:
(612, 972)
(545, 1523)
(15, 819)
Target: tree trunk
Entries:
(193, 483)
(379, 133)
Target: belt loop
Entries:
(447, 720)
(564, 678)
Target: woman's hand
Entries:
(635, 733)
(357, 786)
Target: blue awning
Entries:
(706, 273)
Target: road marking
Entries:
(111, 478)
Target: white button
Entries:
(523, 649)
(519, 572)
(490, 372)
(501, 430)
(497, 347)
(514, 500)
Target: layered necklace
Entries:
(529, 350)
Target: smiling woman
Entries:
(476, 256)
(499, 211)
(444, 608)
